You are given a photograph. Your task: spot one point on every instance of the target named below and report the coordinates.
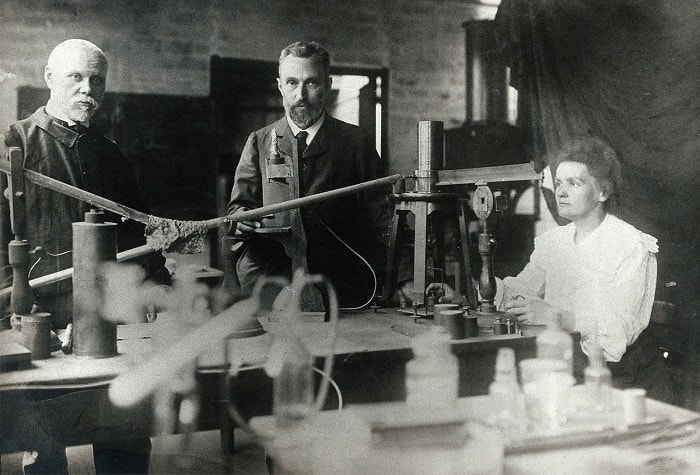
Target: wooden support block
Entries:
(13, 355)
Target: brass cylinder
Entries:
(36, 334)
(430, 145)
(430, 154)
(94, 243)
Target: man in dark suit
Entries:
(332, 154)
(60, 141)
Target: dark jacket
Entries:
(340, 155)
(89, 161)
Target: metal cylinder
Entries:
(94, 243)
(453, 321)
(471, 326)
(430, 154)
(36, 334)
(430, 145)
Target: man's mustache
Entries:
(89, 100)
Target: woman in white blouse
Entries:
(597, 274)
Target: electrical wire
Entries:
(335, 386)
(333, 311)
(322, 373)
(374, 275)
(327, 365)
(243, 424)
(29, 273)
(59, 254)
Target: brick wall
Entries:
(163, 47)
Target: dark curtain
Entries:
(627, 71)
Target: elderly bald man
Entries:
(61, 141)
(76, 73)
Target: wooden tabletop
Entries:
(357, 332)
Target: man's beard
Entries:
(80, 113)
(304, 117)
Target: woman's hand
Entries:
(532, 311)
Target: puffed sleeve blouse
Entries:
(607, 281)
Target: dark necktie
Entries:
(78, 128)
(301, 143)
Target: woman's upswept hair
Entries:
(601, 160)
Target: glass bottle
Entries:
(505, 395)
(556, 343)
(291, 365)
(597, 380)
(432, 375)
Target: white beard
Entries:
(79, 113)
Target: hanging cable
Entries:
(243, 424)
(29, 273)
(374, 275)
(335, 386)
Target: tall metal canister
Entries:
(94, 243)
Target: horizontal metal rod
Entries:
(74, 192)
(109, 205)
(68, 273)
(303, 201)
(465, 176)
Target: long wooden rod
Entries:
(109, 205)
(74, 192)
(303, 201)
(68, 273)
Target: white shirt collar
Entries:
(312, 131)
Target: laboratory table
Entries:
(67, 396)
(391, 438)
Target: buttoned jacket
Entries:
(89, 161)
(340, 155)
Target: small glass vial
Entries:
(598, 380)
(432, 375)
(505, 395)
(293, 388)
(556, 343)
